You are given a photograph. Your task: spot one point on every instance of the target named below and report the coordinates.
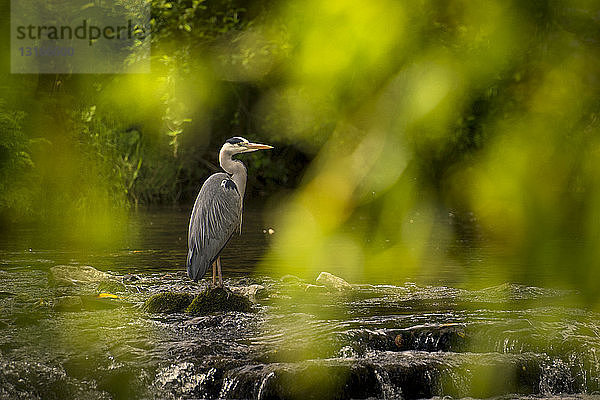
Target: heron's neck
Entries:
(236, 169)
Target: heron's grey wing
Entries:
(215, 217)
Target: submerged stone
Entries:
(102, 301)
(218, 299)
(67, 303)
(168, 302)
(332, 281)
(316, 289)
(110, 286)
(70, 275)
(291, 279)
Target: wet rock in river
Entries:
(70, 275)
(218, 299)
(253, 292)
(332, 281)
(168, 302)
(394, 375)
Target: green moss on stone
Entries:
(168, 302)
(218, 299)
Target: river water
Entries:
(417, 339)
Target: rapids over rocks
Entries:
(378, 341)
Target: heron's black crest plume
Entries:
(235, 140)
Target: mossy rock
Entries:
(218, 299)
(168, 302)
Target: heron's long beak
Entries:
(256, 146)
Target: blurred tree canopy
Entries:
(385, 115)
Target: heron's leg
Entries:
(219, 269)
(214, 267)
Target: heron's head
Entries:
(237, 144)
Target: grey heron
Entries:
(217, 212)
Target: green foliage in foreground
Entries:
(447, 116)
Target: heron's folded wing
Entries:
(216, 217)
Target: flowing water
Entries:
(395, 340)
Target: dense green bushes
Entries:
(17, 176)
(83, 144)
